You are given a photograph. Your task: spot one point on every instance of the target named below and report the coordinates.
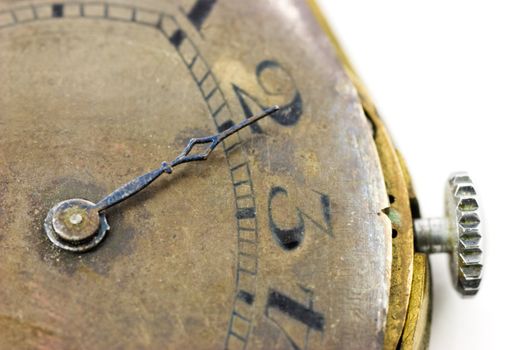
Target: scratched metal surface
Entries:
(276, 241)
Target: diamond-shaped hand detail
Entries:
(141, 182)
(79, 225)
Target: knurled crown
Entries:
(458, 233)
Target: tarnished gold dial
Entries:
(279, 241)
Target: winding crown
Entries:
(458, 233)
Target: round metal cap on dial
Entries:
(458, 233)
(75, 225)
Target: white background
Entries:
(448, 78)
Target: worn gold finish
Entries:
(417, 330)
(402, 234)
(416, 333)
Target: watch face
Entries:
(278, 240)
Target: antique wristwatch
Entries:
(301, 230)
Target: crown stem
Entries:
(432, 235)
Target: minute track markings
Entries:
(57, 10)
(168, 28)
(141, 182)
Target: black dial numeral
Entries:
(198, 13)
(290, 112)
(57, 10)
(293, 310)
(200, 10)
(291, 238)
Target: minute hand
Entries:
(136, 185)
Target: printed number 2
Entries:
(289, 113)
